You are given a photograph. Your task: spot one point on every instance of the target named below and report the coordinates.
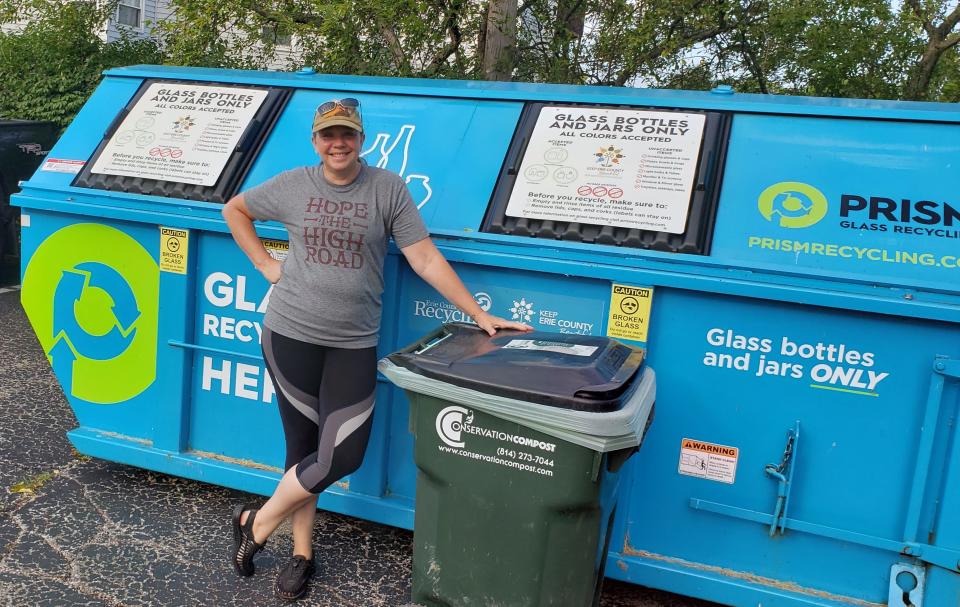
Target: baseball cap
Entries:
(342, 112)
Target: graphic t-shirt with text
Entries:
(330, 291)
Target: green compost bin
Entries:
(519, 441)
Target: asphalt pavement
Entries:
(81, 531)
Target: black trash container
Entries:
(23, 146)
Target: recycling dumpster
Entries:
(519, 441)
(788, 264)
(23, 145)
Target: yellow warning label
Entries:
(629, 312)
(277, 249)
(173, 250)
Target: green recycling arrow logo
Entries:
(792, 204)
(91, 293)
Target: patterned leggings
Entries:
(326, 400)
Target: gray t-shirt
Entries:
(332, 280)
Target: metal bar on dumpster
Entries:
(180, 344)
(174, 366)
(793, 467)
(942, 557)
(921, 472)
(798, 525)
(783, 473)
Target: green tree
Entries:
(938, 21)
(50, 68)
(829, 48)
(841, 48)
(383, 37)
(574, 41)
(654, 43)
(835, 48)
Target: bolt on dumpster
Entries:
(789, 266)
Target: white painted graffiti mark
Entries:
(384, 149)
(424, 186)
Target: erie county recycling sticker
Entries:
(629, 312)
(91, 293)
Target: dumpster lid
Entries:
(579, 372)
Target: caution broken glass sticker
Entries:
(173, 250)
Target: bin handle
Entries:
(706, 172)
(619, 383)
(443, 331)
(783, 474)
(115, 124)
(420, 343)
(247, 138)
(513, 166)
(432, 343)
(400, 358)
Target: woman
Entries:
(320, 330)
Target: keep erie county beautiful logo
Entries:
(793, 204)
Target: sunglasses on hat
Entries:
(347, 103)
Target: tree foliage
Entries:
(611, 42)
(836, 48)
(50, 67)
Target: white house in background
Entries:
(139, 17)
(135, 16)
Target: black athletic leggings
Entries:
(326, 404)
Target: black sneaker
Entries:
(294, 579)
(244, 548)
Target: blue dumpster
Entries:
(789, 264)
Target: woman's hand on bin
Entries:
(490, 323)
(271, 269)
(427, 261)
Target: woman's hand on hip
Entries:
(271, 269)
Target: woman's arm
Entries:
(240, 222)
(430, 265)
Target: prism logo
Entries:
(791, 204)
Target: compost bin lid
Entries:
(580, 372)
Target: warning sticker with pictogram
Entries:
(629, 312)
(173, 250)
(708, 460)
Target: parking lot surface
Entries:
(82, 531)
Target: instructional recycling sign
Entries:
(623, 168)
(183, 133)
